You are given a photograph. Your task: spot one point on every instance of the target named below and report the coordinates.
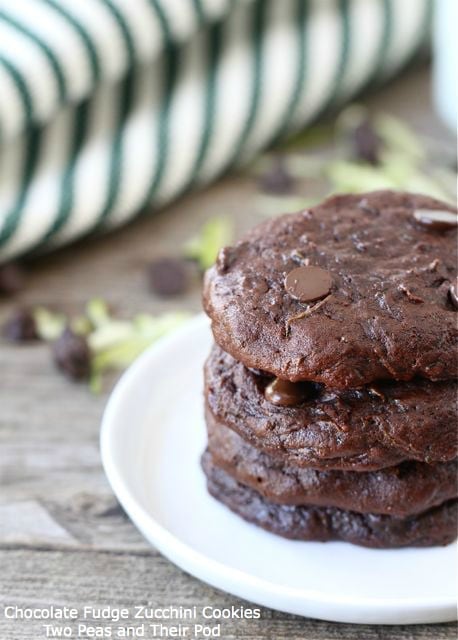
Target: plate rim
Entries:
(196, 563)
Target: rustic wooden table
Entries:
(64, 539)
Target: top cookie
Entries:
(381, 305)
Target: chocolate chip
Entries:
(277, 179)
(12, 277)
(284, 393)
(436, 219)
(366, 143)
(21, 327)
(168, 276)
(308, 283)
(453, 293)
(72, 355)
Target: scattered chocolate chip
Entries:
(12, 278)
(284, 393)
(453, 293)
(72, 355)
(168, 276)
(308, 283)
(277, 180)
(21, 327)
(366, 143)
(436, 219)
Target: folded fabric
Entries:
(107, 106)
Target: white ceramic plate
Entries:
(152, 437)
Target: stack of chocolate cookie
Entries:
(331, 390)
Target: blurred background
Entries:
(136, 138)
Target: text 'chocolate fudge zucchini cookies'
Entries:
(331, 391)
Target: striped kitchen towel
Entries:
(107, 106)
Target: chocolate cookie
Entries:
(360, 430)
(354, 290)
(437, 526)
(409, 488)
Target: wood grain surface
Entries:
(64, 539)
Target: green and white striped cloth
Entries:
(107, 106)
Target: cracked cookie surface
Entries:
(389, 312)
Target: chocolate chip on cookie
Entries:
(308, 283)
(284, 393)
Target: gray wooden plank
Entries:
(37, 579)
